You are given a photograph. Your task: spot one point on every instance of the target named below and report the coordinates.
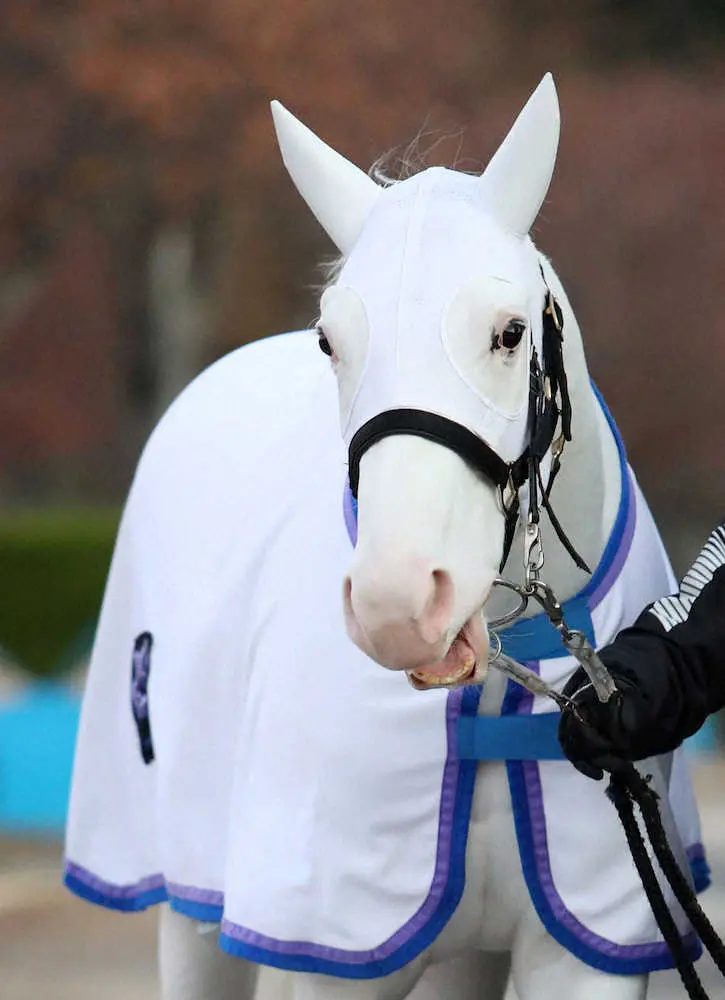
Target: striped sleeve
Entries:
(671, 611)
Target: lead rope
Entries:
(623, 792)
(628, 783)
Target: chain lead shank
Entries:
(574, 641)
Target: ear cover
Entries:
(340, 195)
(516, 180)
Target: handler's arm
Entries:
(669, 667)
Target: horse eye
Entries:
(324, 344)
(511, 336)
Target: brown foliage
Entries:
(135, 111)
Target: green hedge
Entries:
(53, 568)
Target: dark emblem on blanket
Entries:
(140, 669)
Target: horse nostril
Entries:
(400, 609)
(437, 611)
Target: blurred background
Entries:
(147, 227)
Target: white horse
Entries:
(228, 564)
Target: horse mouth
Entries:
(459, 666)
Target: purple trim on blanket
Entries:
(534, 794)
(610, 577)
(146, 884)
(212, 897)
(440, 876)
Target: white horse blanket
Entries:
(240, 757)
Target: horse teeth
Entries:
(422, 680)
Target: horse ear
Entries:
(518, 177)
(340, 195)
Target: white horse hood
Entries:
(460, 267)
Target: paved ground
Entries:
(54, 947)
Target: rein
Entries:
(549, 403)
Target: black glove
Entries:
(604, 736)
(669, 668)
(668, 683)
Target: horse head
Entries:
(436, 309)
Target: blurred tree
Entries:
(151, 116)
(613, 32)
(162, 133)
(677, 30)
(144, 103)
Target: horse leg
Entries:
(474, 975)
(543, 970)
(192, 966)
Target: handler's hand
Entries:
(607, 736)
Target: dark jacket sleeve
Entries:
(675, 655)
(669, 668)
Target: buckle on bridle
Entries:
(551, 310)
(507, 504)
(533, 553)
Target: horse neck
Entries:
(587, 490)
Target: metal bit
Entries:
(529, 679)
(580, 648)
(575, 642)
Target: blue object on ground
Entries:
(704, 740)
(37, 740)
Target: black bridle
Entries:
(548, 403)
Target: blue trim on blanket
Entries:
(612, 547)
(699, 867)
(617, 964)
(509, 737)
(126, 904)
(208, 912)
(419, 941)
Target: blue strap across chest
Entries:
(509, 737)
(537, 639)
(525, 736)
